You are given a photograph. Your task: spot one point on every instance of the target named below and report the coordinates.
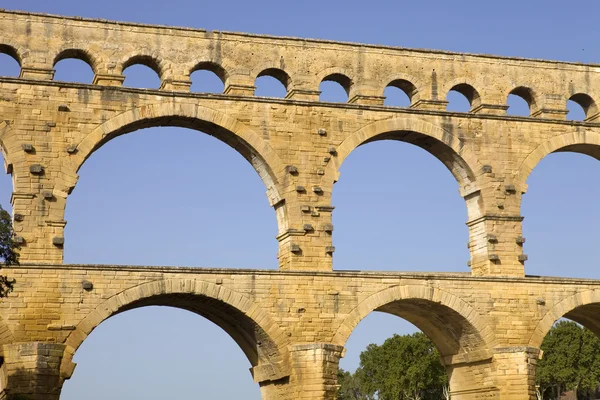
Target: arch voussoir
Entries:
(419, 293)
(419, 126)
(559, 310)
(552, 145)
(144, 293)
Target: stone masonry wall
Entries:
(292, 324)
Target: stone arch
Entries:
(14, 160)
(249, 325)
(397, 80)
(579, 141)
(582, 307)
(528, 94)
(458, 331)
(149, 60)
(447, 148)
(586, 102)
(211, 66)
(465, 87)
(14, 52)
(249, 144)
(340, 75)
(278, 73)
(79, 54)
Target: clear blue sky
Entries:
(147, 199)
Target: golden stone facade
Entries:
(293, 323)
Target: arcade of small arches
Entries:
(405, 84)
(293, 323)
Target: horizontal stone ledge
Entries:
(199, 272)
(169, 96)
(269, 372)
(468, 358)
(516, 349)
(496, 217)
(316, 346)
(475, 391)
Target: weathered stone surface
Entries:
(292, 324)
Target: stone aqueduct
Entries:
(292, 323)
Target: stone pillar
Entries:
(495, 226)
(472, 380)
(34, 371)
(554, 106)
(240, 83)
(314, 370)
(515, 372)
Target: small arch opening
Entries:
(462, 98)
(580, 107)
(335, 88)
(399, 93)
(9, 62)
(74, 66)
(142, 72)
(272, 82)
(208, 77)
(520, 102)
(517, 106)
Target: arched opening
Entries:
(399, 93)
(6, 184)
(570, 364)
(249, 326)
(173, 198)
(74, 66)
(272, 82)
(208, 77)
(580, 107)
(419, 197)
(561, 213)
(9, 61)
(335, 88)
(159, 353)
(517, 106)
(462, 98)
(463, 346)
(520, 102)
(142, 72)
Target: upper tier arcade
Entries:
(296, 144)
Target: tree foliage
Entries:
(403, 368)
(8, 250)
(571, 361)
(408, 368)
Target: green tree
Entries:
(8, 250)
(403, 368)
(351, 388)
(571, 361)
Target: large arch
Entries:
(249, 144)
(580, 141)
(457, 330)
(447, 148)
(582, 307)
(249, 325)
